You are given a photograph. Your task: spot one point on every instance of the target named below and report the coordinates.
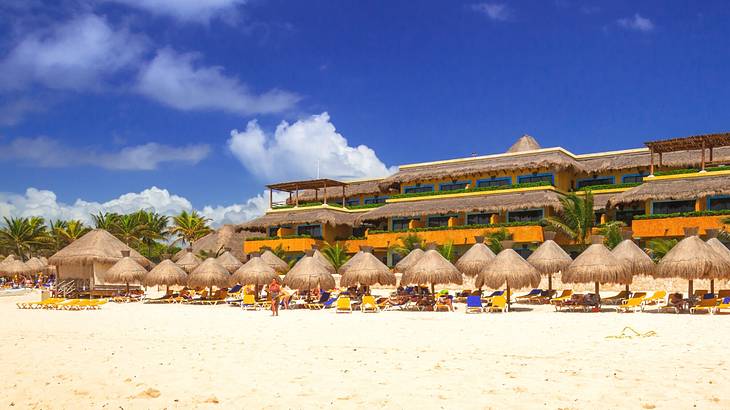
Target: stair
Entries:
(69, 288)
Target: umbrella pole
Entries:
(433, 289)
(550, 282)
(509, 304)
(690, 289)
(127, 289)
(627, 287)
(598, 296)
(712, 286)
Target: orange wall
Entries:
(457, 236)
(290, 244)
(649, 228)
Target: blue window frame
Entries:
(418, 188)
(399, 224)
(375, 200)
(717, 203)
(353, 201)
(582, 183)
(670, 207)
(528, 215)
(453, 186)
(315, 231)
(438, 220)
(479, 219)
(523, 179)
(484, 183)
(633, 178)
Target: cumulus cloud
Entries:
(302, 150)
(495, 11)
(636, 23)
(50, 153)
(180, 81)
(80, 54)
(200, 11)
(37, 202)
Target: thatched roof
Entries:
(549, 258)
(721, 250)
(367, 270)
(404, 264)
(691, 259)
(324, 261)
(166, 273)
(524, 143)
(188, 262)
(302, 216)
(225, 237)
(675, 189)
(126, 270)
(597, 264)
(308, 274)
(600, 201)
(475, 259)
(432, 268)
(553, 159)
(228, 261)
(11, 266)
(352, 189)
(510, 269)
(208, 274)
(481, 203)
(274, 261)
(255, 272)
(636, 260)
(96, 246)
(343, 268)
(641, 159)
(44, 260)
(36, 264)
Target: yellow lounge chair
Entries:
(707, 305)
(499, 303)
(369, 305)
(632, 304)
(565, 295)
(656, 298)
(343, 305)
(724, 304)
(249, 302)
(37, 305)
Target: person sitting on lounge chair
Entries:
(676, 301)
(446, 299)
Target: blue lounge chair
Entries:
(235, 289)
(534, 292)
(320, 303)
(329, 303)
(474, 304)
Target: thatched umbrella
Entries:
(126, 270)
(508, 269)
(721, 249)
(255, 272)
(349, 262)
(475, 259)
(323, 260)
(208, 274)
(637, 261)
(278, 264)
(432, 268)
(228, 261)
(11, 266)
(549, 258)
(44, 260)
(166, 273)
(308, 274)
(36, 264)
(404, 264)
(188, 262)
(691, 259)
(597, 264)
(367, 270)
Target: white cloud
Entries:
(36, 202)
(179, 81)
(637, 23)
(80, 54)
(495, 11)
(295, 150)
(201, 11)
(50, 153)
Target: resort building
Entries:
(656, 191)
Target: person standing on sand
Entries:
(274, 290)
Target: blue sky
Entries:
(102, 100)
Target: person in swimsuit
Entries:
(274, 290)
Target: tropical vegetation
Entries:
(576, 219)
(657, 248)
(336, 254)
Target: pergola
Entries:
(696, 142)
(294, 187)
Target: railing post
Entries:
(651, 162)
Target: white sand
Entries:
(178, 356)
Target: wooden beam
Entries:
(651, 161)
(296, 196)
(702, 164)
(325, 193)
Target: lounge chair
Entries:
(318, 305)
(707, 305)
(543, 297)
(218, 297)
(249, 302)
(698, 293)
(724, 304)
(499, 303)
(474, 304)
(369, 305)
(526, 297)
(616, 299)
(343, 305)
(494, 294)
(564, 296)
(630, 305)
(656, 298)
(396, 306)
(37, 305)
(723, 293)
(638, 295)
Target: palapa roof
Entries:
(675, 189)
(549, 258)
(166, 273)
(255, 272)
(691, 259)
(306, 184)
(36, 264)
(208, 274)
(302, 216)
(319, 257)
(432, 268)
(641, 158)
(188, 261)
(480, 203)
(11, 266)
(636, 260)
(225, 237)
(274, 261)
(354, 188)
(600, 201)
(228, 261)
(409, 260)
(344, 266)
(597, 264)
(367, 270)
(721, 250)
(510, 269)
(524, 143)
(475, 259)
(126, 270)
(690, 143)
(97, 246)
(309, 273)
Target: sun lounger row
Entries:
(64, 304)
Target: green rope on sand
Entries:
(630, 333)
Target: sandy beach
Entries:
(180, 356)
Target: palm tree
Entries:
(105, 220)
(447, 251)
(129, 228)
(657, 248)
(57, 239)
(154, 228)
(21, 234)
(612, 233)
(494, 239)
(189, 227)
(71, 230)
(576, 219)
(337, 254)
(407, 244)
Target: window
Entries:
(596, 181)
(523, 251)
(524, 179)
(417, 188)
(359, 232)
(485, 183)
(478, 219)
(353, 201)
(597, 217)
(670, 207)
(437, 221)
(453, 186)
(532, 215)
(633, 178)
(399, 224)
(717, 203)
(375, 200)
(627, 213)
(272, 230)
(315, 231)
